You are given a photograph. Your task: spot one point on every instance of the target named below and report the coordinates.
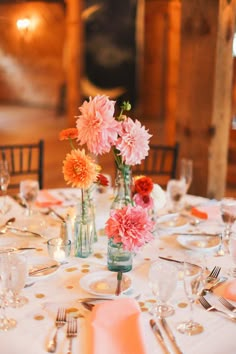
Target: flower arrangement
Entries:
(130, 226)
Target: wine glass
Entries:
(186, 171)
(4, 182)
(5, 322)
(228, 214)
(176, 189)
(29, 191)
(162, 280)
(192, 286)
(232, 251)
(18, 274)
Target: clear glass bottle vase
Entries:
(83, 229)
(118, 259)
(123, 188)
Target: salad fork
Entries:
(71, 332)
(208, 307)
(214, 274)
(59, 322)
(227, 304)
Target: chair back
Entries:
(25, 161)
(160, 164)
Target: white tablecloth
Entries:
(61, 288)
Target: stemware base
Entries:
(7, 323)
(190, 328)
(162, 310)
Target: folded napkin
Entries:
(45, 199)
(207, 212)
(113, 327)
(227, 290)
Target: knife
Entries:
(170, 335)
(159, 336)
(16, 229)
(13, 249)
(36, 271)
(196, 234)
(177, 261)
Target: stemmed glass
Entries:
(228, 214)
(18, 274)
(5, 322)
(4, 182)
(162, 280)
(192, 287)
(29, 191)
(186, 172)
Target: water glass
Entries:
(29, 191)
(228, 214)
(4, 182)
(18, 273)
(232, 251)
(176, 189)
(186, 171)
(59, 249)
(162, 280)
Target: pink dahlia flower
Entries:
(130, 226)
(96, 125)
(133, 142)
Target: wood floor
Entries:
(25, 124)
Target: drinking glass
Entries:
(4, 182)
(186, 172)
(162, 280)
(18, 274)
(228, 214)
(192, 286)
(232, 251)
(29, 191)
(176, 189)
(6, 323)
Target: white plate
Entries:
(199, 243)
(103, 284)
(37, 263)
(172, 221)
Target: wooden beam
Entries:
(204, 104)
(73, 57)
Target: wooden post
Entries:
(158, 90)
(204, 104)
(73, 58)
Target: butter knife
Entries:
(159, 336)
(16, 229)
(40, 270)
(177, 261)
(170, 335)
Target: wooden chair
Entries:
(160, 164)
(25, 161)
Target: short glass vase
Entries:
(118, 259)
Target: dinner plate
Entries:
(103, 283)
(47, 266)
(172, 221)
(199, 243)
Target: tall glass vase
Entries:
(83, 228)
(123, 188)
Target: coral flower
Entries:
(145, 201)
(70, 133)
(79, 169)
(133, 142)
(96, 125)
(143, 185)
(102, 180)
(130, 226)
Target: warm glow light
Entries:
(23, 24)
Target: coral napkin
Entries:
(113, 327)
(227, 290)
(45, 199)
(211, 212)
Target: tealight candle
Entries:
(59, 249)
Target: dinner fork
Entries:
(227, 304)
(71, 332)
(214, 274)
(209, 307)
(59, 322)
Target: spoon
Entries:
(8, 222)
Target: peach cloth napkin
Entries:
(45, 199)
(211, 212)
(227, 290)
(113, 327)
